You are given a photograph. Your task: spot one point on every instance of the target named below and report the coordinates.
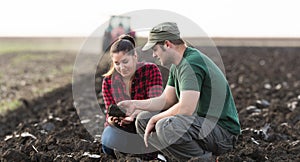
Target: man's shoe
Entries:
(161, 157)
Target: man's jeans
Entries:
(183, 137)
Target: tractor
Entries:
(117, 26)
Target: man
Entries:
(197, 114)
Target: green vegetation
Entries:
(34, 65)
(63, 70)
(26, 58)
(34, 57)
(12, 45)
(9, 105)
(42, 91)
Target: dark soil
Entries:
(25, 75)
(265, 83)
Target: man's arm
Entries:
(188, 102)
(187, 105)
(164, 101)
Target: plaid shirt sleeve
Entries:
(106, 92)
(154, 82)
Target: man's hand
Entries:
(149, 128)
(128, 105)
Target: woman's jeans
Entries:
(114, 138)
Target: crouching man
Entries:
(196, 116)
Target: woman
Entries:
(127, 79)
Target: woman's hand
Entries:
(111, 120)
(125, 121)
(121, 121)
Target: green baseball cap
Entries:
(162, 32)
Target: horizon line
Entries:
(213, 37)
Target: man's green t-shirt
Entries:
(197, 72)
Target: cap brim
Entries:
(148, 46)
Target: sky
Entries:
(218, 18)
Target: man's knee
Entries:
(173, 130)
(161, 124)
(143, 115)
(165, 131)
(142, 120)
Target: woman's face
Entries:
(124, 64)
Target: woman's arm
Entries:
(106, 93)
(107, 97)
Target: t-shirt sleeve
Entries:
(171, 77)
(191, 77)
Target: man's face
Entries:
(160, 52)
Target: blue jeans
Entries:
(115, 138)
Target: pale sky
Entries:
(218, 18)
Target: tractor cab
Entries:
(117, 26)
